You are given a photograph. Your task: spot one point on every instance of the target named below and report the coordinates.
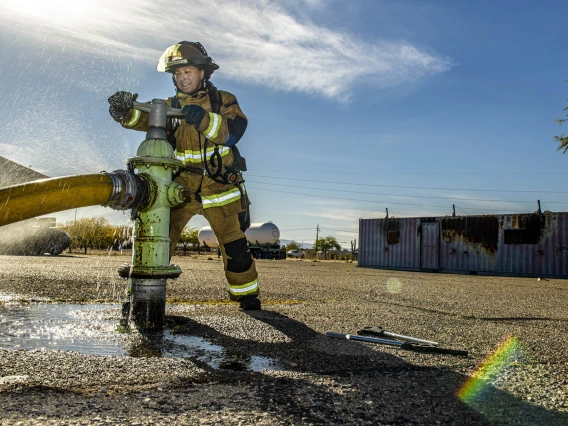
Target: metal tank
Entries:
(207, 238)
(263, 239)
(263, 233)
(258, 233)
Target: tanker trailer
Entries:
(263, 240)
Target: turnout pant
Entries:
(240, 268)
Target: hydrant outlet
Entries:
(177, 194)
(129, 190)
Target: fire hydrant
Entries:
(155, 162)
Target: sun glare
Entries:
(59, 12)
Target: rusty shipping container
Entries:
(516, 244)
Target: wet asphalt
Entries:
(311, 378)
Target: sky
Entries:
(354, 107)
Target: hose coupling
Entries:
(130, 191)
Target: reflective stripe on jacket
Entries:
(196, 157)
(218, 200)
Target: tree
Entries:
(562, 139)
(326, 244)
(93, 232)
(292, 245)
(188, 236)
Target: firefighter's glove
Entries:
(120, 104)
(193, 114)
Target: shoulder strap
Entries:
(172, 124)
(215, 98)
(175, 102)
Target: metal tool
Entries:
(402, 345)
(379, 332)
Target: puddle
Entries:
(91, 329)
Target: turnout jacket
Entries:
(223, 130)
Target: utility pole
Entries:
(316, 244)
(539, 209)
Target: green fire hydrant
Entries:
(154, 163)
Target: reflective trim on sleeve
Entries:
(242, 290)
(212, 130)
(222, 199)
(134, 120)
(189, 156)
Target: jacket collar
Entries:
(197, 95)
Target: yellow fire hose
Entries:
(24, 201)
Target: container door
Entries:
(430, 246)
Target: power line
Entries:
(365, 201)
(413, 173)
(417, 187)
(340, 230)
(402, 195)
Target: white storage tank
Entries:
(258, 233)
(206, 237)
(263, 233)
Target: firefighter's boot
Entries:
(250, 303)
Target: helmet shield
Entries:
(185, 54)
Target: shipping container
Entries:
(515, 244)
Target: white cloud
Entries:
(348, 216)
(257, 41)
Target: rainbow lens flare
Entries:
(491, 369)
(393, 285)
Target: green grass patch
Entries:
(123, 330)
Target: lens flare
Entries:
(494, 366)
(393, 285)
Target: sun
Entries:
(52, 12)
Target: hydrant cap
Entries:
(155, 148)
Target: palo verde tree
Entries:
(326, 244)
(562, 139)
(188, 236)
(292, 245)
(93, 232)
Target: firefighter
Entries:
(205, 143)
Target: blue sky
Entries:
(354, 107)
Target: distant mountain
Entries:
(306, 246)
(12, 173)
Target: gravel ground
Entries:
(314, 379)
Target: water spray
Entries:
(146, 189)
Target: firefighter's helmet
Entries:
(186, 53)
